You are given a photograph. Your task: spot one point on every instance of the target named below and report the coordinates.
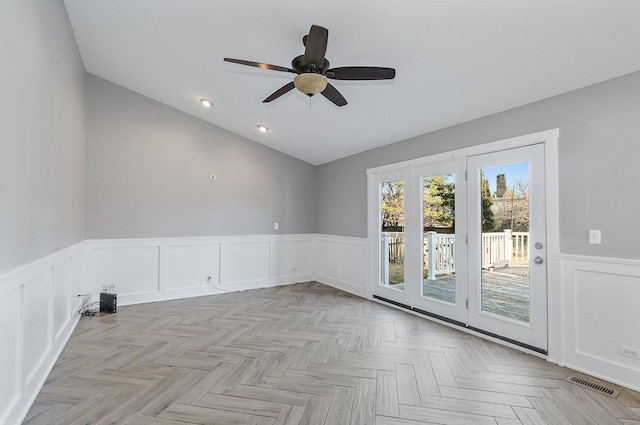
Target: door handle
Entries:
(538, 260)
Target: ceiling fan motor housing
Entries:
(300, 66)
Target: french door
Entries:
(508, 282)
(463, 240)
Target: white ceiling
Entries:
(456, 60)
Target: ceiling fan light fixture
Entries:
(310, 83)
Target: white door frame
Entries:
(550, 140)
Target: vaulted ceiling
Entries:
(456, 60)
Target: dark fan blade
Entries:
(316, 45)
(260, 65)
(334, 95)
(282, 90)
(361, 73)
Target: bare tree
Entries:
(512, 210)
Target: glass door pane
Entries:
(392, 236)
(439, 238)
(441, 273)
(505, 288)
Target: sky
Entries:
(512, 173)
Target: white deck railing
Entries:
(439, 253)
(499, 249)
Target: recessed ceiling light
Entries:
(206, 103)
(262, 128)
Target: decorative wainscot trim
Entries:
(341, 262)
(600, 329)
(39, 306)
(148, 270)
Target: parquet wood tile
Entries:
(386, 394)
(305, 354)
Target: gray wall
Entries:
(599, 149)
(42, 153)
(148, 164)
(148, 168)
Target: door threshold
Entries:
(462, 325)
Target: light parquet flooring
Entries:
(303, 354)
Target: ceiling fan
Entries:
(313, 70)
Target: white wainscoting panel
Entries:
(602, 312)
(37, 329)
(39, 307)
(292, 260)
(341, 262)
(245, 264)
(327, 262)
(65, 295)
(11, 352)
(132, 269)
(353, 271)
(156, 269)
(192, 266)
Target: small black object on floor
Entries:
(108, 302)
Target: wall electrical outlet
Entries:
(112, 288)
(105, 288)
(634, 353)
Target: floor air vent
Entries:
(594, 387)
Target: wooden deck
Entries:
(505, 291)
